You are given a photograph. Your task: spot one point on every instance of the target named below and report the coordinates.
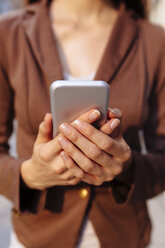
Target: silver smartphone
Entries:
(70, 99)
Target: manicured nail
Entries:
(79, 124)
(115, 123)
(65, 129)
(63, 142)
(94, 115)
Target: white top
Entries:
(90, 77)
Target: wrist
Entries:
(27, 174)
(127, 175)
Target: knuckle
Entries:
(59, 170)
(71, 153)
(107, 146)
(74, 136)
(71, 165)
(69, 149)
(81, 175)
(95, 153)
(88, 166)
(90, 130)
(68, 177)
(74, 181)
(44, 155)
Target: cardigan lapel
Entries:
(122, 39)
(38, 30)
(40, 34)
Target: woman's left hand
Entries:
(94, 151)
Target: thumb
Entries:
(45, 130)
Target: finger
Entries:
(47, 151)
(79, 158)
(90, 179)
(45, 130)
(67, 179)
(114, 113)
(90, 149)
(86, 177)
(58, 167)
(73, 181)
(101, 140)
(71, 165)
(90, 116)
(95, 174)
(45, 133)
(110, 126)
(62, 174)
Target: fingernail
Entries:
(79, 124)
(115, 111)
(115, 123)
(63, 142)
(65, 129)
(94, 115)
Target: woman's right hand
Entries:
(46, 168)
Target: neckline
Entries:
(44, 44)
(61, 55)
(90, 76)
(53, 39)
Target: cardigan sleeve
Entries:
(145, 178)
(150, 168)
(11, 184)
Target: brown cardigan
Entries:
(134, 65)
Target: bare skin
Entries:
(82, 27)
(101, 154)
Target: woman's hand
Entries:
(46, 168)
(100, 156)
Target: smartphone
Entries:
(70, 99)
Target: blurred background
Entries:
(6, 5)
(156, 205)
